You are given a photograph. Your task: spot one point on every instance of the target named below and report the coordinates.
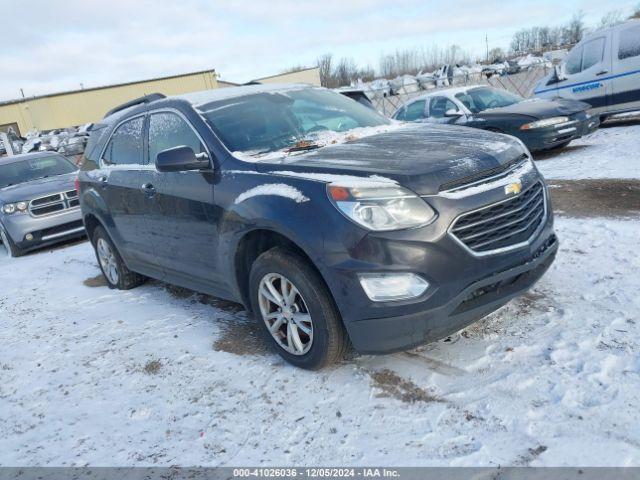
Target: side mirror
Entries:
(453, 113)
(557, 75)
(180, 159)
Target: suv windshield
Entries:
(266, 122)
(479, 99)
(14, 173)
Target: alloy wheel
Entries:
(285, 314)
(107, 261)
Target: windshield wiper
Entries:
(302, 148)
(302, 145)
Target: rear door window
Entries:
(439, 106)
(125, 145)
(629, 43)
(169, 130)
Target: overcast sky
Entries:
(51, 46)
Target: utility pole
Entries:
(22, 93)
(486, 40)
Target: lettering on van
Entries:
(586, 88)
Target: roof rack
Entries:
(136, 101)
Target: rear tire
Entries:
(11, 248)
(317, 337)
(111, 264)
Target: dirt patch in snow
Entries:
(152, 367)
(240, 336)
(393, 385)
(595, 198)
(97, 281)
(532, 301)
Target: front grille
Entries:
(55, 203)
(504, 224)
(499, 171)
(45, 200)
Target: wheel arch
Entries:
(253, 244)
(91, 222)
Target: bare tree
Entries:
(636, 12)
(412, 61)
(497, 55)
(614, 17)
(574, 31)
(325, 66)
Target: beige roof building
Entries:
(61, 110)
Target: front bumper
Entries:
(45, 230)
(480, 298)
(547, 138)
(464, 284)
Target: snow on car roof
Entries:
(198, 99)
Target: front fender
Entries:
(253, 201)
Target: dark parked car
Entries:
(327, 221)
(540, 124)
(38, 201)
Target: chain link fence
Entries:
(521, 83)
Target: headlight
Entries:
(10, 208)
(547, 122)
(382, 208)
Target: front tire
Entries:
(12, 250)
(111, 264)
(296, 310)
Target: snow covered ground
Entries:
(162, 376)
(156, 375)
(610, 152)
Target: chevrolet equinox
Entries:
(330, 223)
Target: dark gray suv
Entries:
(329, 222)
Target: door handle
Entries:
(148, 189)
(602, 72)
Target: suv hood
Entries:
(539, 108)
(421, 157)
(37, 188)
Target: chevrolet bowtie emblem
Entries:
(514, 188)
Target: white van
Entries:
(602, 70)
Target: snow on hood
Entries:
(322, 139)
(350, 181)
(273, 189)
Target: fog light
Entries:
(28, 237)
(387, 287)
